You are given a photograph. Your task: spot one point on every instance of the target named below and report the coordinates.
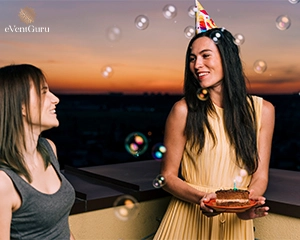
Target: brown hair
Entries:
(15, 84)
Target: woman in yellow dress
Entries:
(213, 136)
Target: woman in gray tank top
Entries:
(36, 199)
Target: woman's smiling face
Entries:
(44, 118)
(206, 62)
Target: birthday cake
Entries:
(232, 197)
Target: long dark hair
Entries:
(239, 112)
(15, 83)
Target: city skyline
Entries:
(74, 42)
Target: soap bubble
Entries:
(260, 66)
(216, 36)
(113, 34)
(169, 11)
(191, 11)
(126, 207)
(158, 151)
(202, 94)
(283, 22)
(136, 143)
(243, 173)
(141, 22)
(294, 1)
(159, 181)
(189, 32)
(239, 39)
(107, 71)
(238, 179)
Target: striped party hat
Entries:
(203, 22)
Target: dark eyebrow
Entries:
(44, 88)
(203, 51)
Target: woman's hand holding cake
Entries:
(207, 211)
(259, 210)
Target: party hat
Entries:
(203, 20)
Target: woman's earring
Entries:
(202, 94)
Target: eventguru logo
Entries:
(27, 15)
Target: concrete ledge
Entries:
(283, 196)
(98, 187)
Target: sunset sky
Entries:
(78, 46)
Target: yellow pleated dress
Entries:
(215, 168)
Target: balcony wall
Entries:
(93, 215)
(103, 224)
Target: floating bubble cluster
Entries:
(238, 179)
(141, 22)
(159, 181)
(107, 71)
(189, 32)
(158, 151)
(216, 36)
(283, 22)
(126, 207)
(113, 34)
(202, 94)
(169, 11)
(260, 66)
(136, 143)
(239, 39)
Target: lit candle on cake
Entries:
(234, 185)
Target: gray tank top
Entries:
(42, 216)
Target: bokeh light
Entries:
(158, 151)
(141, 22)
(107, 71)
(202, 94)
(126, 207)
(239, 39)
(169, 11)
(260, 66)
(136, 143)
(189, 32)
(113, 34)
(159, 181)
(283, 22)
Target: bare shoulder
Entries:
(268, 109)
(268, 115)
(180, 108)
(6, 184)
(176, 120)
(267, 106)
(9, 201)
